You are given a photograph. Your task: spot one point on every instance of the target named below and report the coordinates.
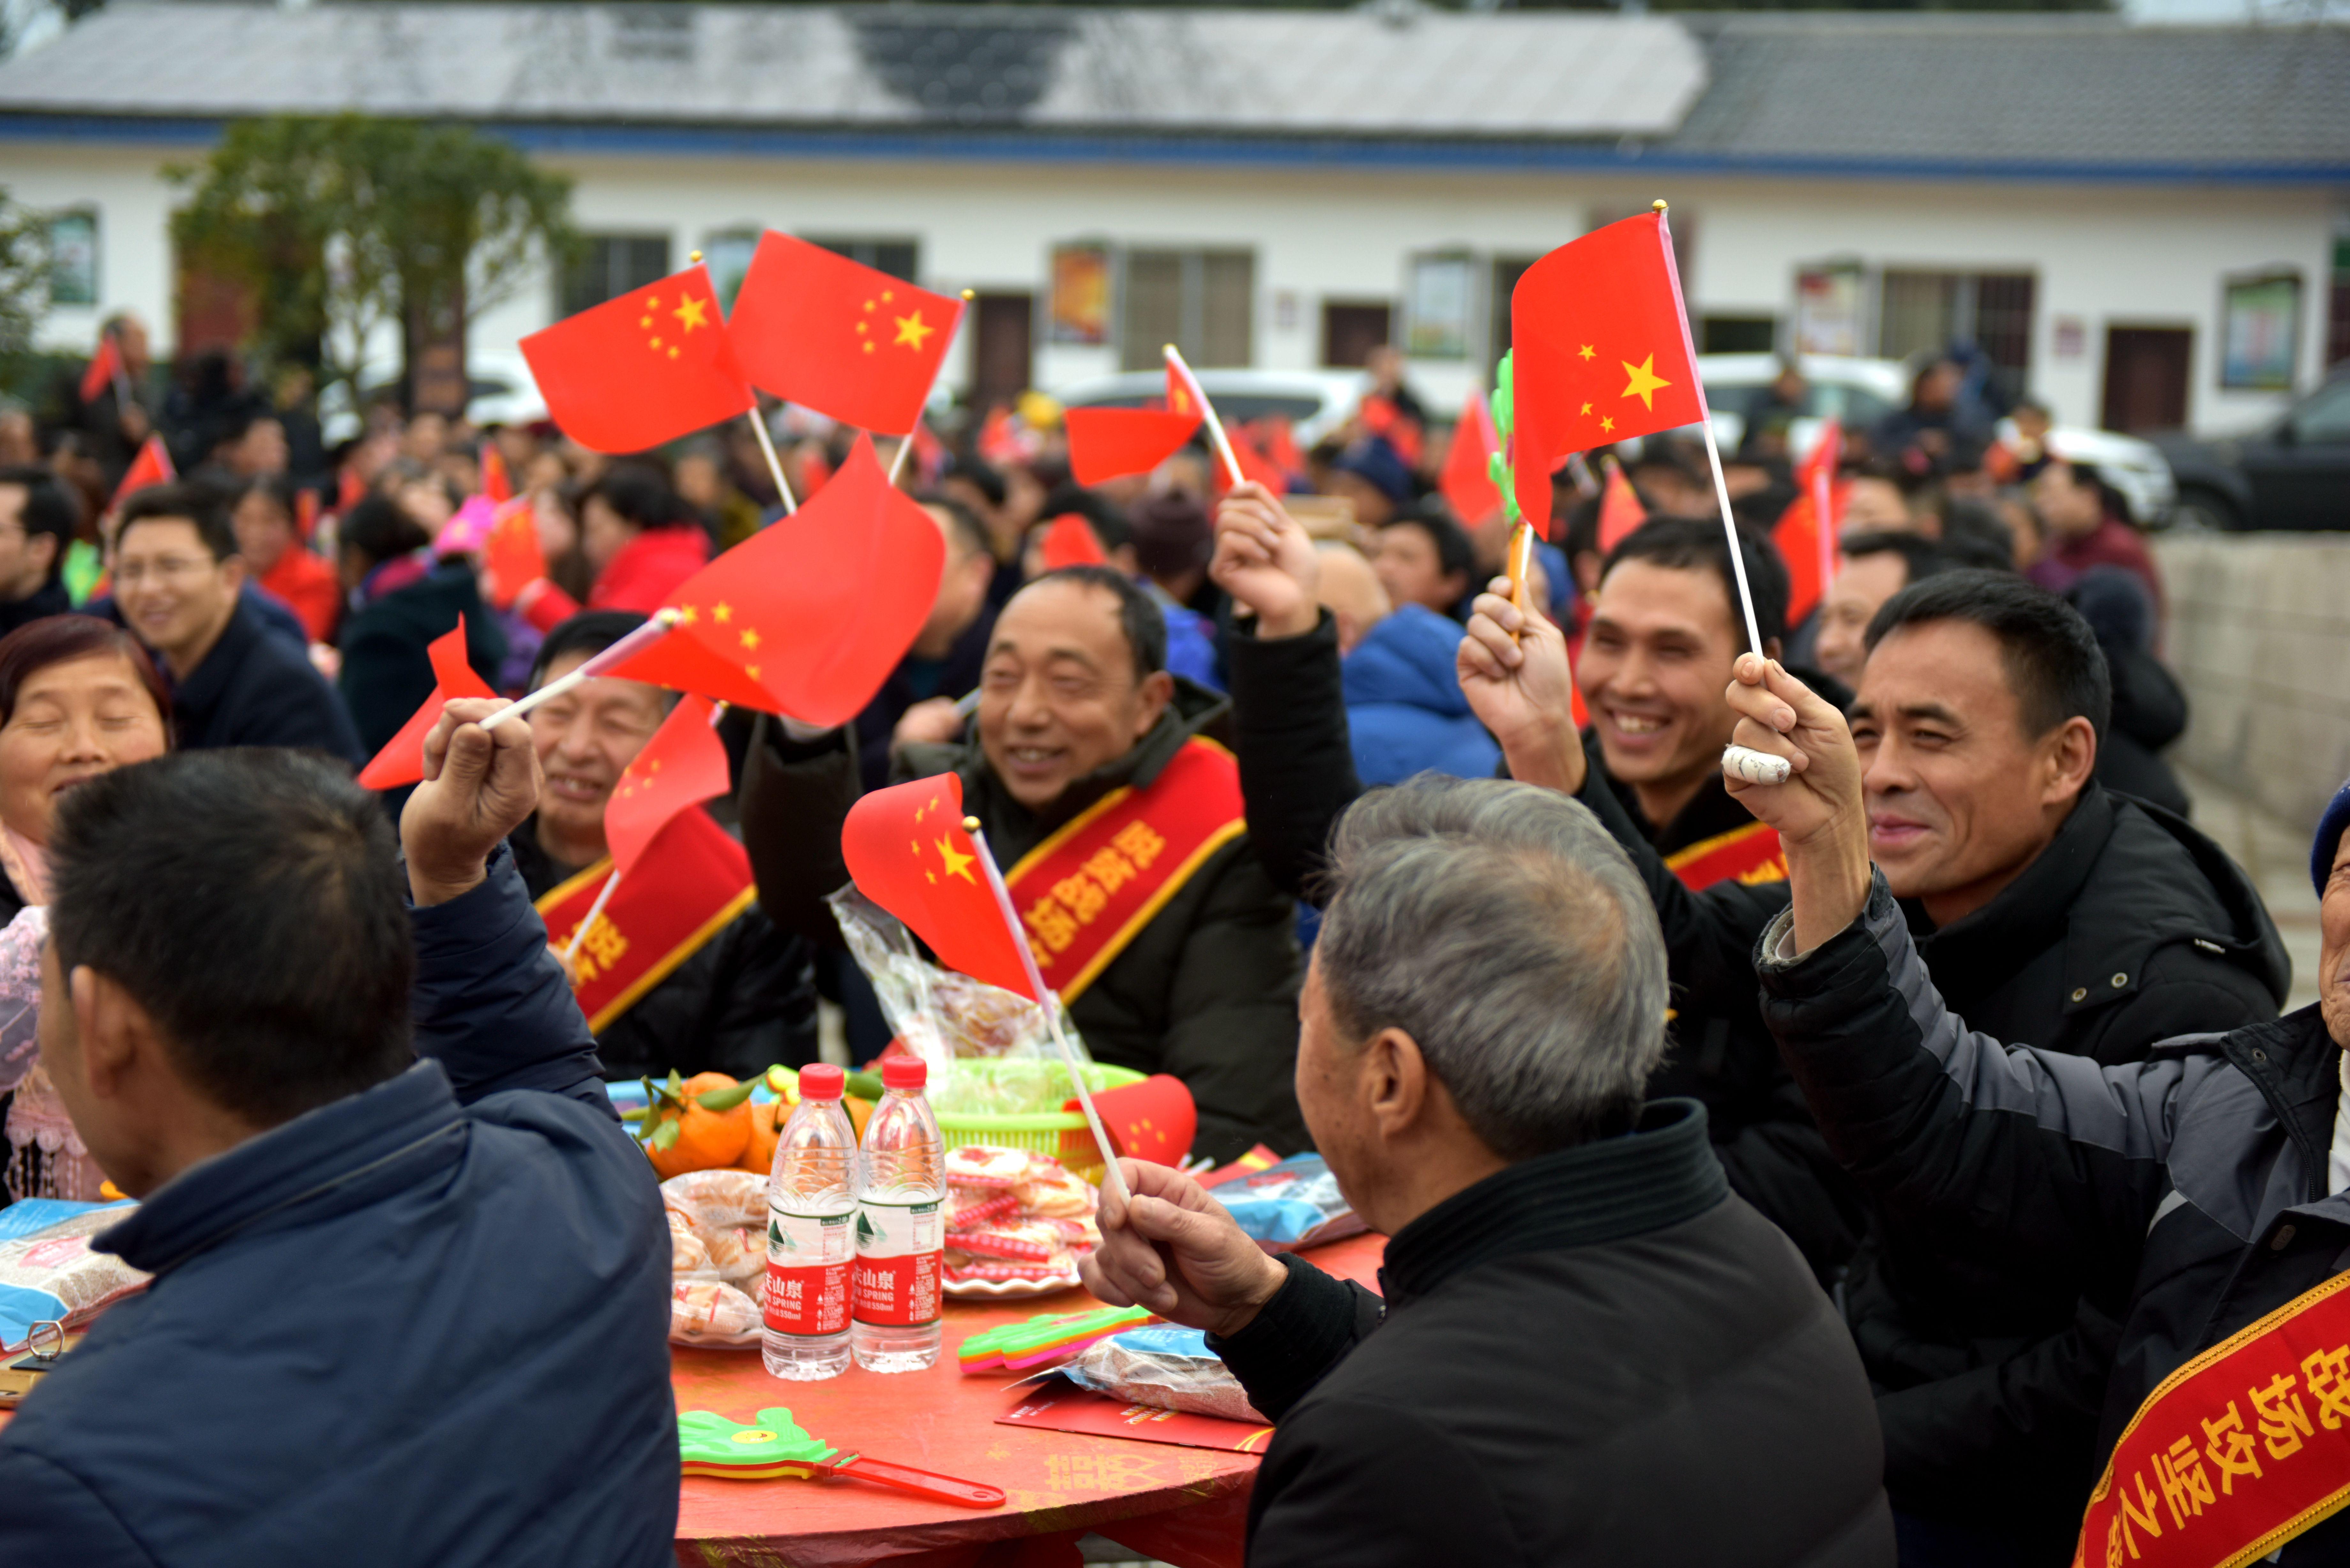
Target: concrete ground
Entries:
(2276, 853)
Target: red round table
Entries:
(1186, 1506)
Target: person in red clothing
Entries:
(2088, 525)
(641, 538)
(267, 537)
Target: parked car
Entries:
(2292, 473)
(1859, 392)
(1316, 403)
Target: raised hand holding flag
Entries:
(402, 761)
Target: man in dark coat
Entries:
(2050, 911)
(1170, 944)
(1581, 1320)
(403, 1310)
(918, 702)
(2194, 1193)
(177, 581)
(37, 524)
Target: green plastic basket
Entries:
(1061, 1134)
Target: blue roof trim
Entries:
(984, 144)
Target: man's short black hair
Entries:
(1920, 554)
(2088, 475)
(1697, 544)
(1975, 535)
(251, 900)
(1454, 553)
(589, 632)
(970, 534)
(2053, 662)
(638, 494)
(189, 500)
(1107, 519)
(49, 508)
(980, 474)
(1139, 616)
(380, 529)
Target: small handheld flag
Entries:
(653, 365)
(818, 329)
(683, 765)
(1621, 510)
(1467, 481)
(105, 369)
(1070, 541)
(151, 466)
(402, 761)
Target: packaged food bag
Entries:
(51, 1275)
(940, 1014)
(1291, 1205)
(1166, 1369)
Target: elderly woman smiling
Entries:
(77, 697)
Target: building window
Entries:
(1931, 312)
(1203, 302)
(2261, 332)
(1507, 270)
(1737, 334)
(607, 265)
(73, 257)
(896, 257)
(1350, 331)
(1440, 306)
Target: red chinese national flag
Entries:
(839, 337)
(908, 852)
(496, 483)
(1468, 477)
(1600, 350)
(1106, 443)
(1070, 541)
(402, 761)
(809, 616)
(1621, 510)
(683, 765)
(104, 367)
(1808, 548)
(512, 555)
(1153, 1120)
(151, 466)
(649, 367)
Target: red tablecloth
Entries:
(1187, 1506)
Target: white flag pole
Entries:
(1208, 412)
(595, 913)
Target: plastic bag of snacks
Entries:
(1291, 1205)
(718, 1255)
(937, 1013)
(1166, 1369)
(1015, 1215)
(51, 1275)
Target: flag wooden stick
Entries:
(1208, 412)
(906, 441)
(627, 648)
(1520, 565)
(774, 464)
(1112, 1177)
(595, 913)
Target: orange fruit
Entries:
(702, 1124)
(860, 1111)
(767, 1121)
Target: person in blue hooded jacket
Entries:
(410, 1292)
(1406, 712)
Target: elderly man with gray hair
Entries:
(1590, 1350)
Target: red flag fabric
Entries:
(306, 514)
(1281, 445)
(1382, 417)
(402, 761)
(1600, 352)
(512, 555)
(647, 368)
(1070, 541)
(1621, 509)
(496, 483)
(839, 337)
(683, 765)
(1106, 443)
(151, 466)
(907, 851)
(1153, 1120)
(809, 616)
(929, 455)
(104, 367)
(1809, 547)
(1467, 481)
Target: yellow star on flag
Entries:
(1606, 424)
(724, 613)
(1587, 408)
(689, 311)
(957, 865)
(911, 330)
(750, 638)
(1645, 383)
(1584, 352)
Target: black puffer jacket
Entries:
(1207, 991)
(1566, 1348)
(2183, 1195)
(743, 1003)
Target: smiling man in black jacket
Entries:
(1585, 1333)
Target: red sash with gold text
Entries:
(2238, 1452)
(693, 880)
(1087, 890)
(1749, 854)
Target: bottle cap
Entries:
(821, 1080)
(904, 1073)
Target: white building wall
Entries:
(2108, 254)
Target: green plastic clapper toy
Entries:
(775, 1446)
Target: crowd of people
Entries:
(1827, 1139)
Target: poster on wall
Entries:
(1080, 312)
(2260, 332)
(1832, 309)
(1436, 307)
(73, 258)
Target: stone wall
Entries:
(2260, 635)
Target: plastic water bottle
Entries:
(811, 1222)
(900, 1230)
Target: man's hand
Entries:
(1521, 690)
(933, 720)
(136, 426)
(1267, 561)
(1820, 812)
(478, 787)
(1171, 1248)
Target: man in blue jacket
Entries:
(411, 1290)
(1406, 712)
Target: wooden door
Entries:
(1349, 333)
(2146, 377)
(1002, 363)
